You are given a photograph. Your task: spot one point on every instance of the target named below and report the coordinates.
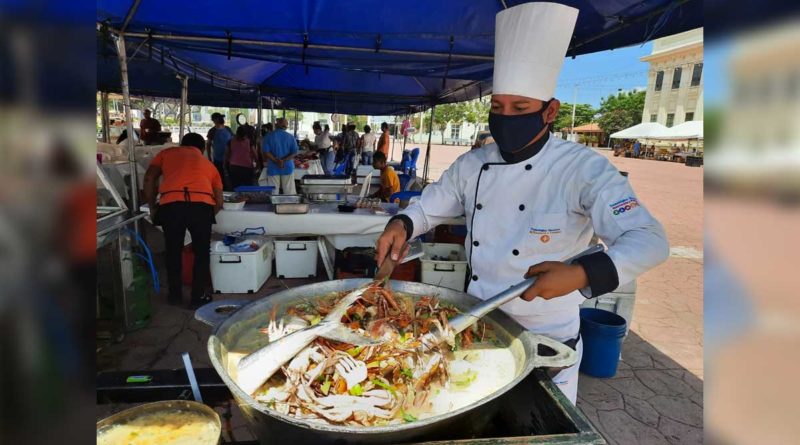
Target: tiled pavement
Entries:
(656, 396)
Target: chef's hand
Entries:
(554, 279)
(392, 242)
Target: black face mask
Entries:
(513, 133)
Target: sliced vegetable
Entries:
(355, 351)
(356, 390)
(407, 372)
(408, 417)
(315, 320)
(326, 386)
(464, 379)
(385, 386)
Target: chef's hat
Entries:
(530, 42)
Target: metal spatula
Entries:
(464, 320)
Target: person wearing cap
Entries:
(216, 143)
(189, 196)
(280, 148)
(532, 200)
(149, 128)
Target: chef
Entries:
(532, 200)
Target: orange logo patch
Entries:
(544, 238)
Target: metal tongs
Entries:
(464, 320)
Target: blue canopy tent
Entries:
(364, 56)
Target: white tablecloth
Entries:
(360, 228)
(314, 168)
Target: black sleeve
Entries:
(602, 273)
(409, 225)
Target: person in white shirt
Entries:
(532, 200)
(322, 142)
(367, 145)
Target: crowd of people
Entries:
(348, 147)
(635, 149)
(183, 185)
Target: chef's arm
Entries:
(439, 201)
(636, 240)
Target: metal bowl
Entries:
(129, 415)
(267, 423)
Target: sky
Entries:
(599, 74)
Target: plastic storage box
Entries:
(295, 258)
(620, 301)
(241, 272)
(444, 265)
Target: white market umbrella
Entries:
(645, 130)
(685, 131)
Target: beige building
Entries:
(675, 82)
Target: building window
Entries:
(676, 78)
(653, 117)
(670, 119)
(689, 117)
(697, 71)
(659, 80)
(455, 132)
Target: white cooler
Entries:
(450, 273)
(295, 258)
(241, 272)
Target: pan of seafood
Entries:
(357, 361)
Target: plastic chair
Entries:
(365, 186)
(412, 162)
(404, 181)
(341, 168)
(402, 196)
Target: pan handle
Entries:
(564, 358)
(218, 311)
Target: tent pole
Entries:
(428, 150)
(260, 108)
(104, 116)
(272, 111)
(184, 103)
(225, 40)
(295, 121)
(391, 156)
(126, 100)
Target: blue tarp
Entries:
(348, 65)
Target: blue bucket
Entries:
(602, 333)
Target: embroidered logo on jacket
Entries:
(624, 205)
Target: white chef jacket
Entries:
(545, 208)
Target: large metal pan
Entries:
(230, 319)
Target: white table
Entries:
(314, 168)
(334, 230)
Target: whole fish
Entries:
(255, 369)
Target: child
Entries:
(390, 182)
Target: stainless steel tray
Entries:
(286, 199)
(328, 188)
(326, 180)
(292, 209)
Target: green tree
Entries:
(359, 121)
(584, 114)
(620, 111)
(444, 114)
(477, 112)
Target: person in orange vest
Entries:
(190, 195)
